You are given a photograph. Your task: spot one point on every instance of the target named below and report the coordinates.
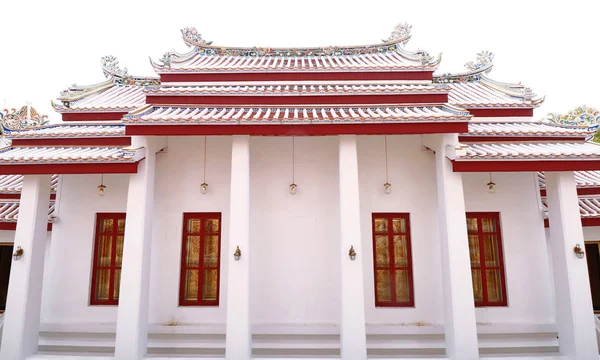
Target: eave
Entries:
(524, 165)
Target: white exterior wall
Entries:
(294, 274)
(528, 278)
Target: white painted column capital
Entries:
(459, 309)
(238, 338)
(132, 316)
(352, 329)
(574, 311)
(24, 300)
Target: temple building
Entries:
(344, 202)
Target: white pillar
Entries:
(574, 312)
(132, 315)
(24, 300)
(459, 309)
(238, 338)
(352, 330)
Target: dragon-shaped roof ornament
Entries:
(192, 37)
(581, 116)
(401, 34)
(110, 67)
(25, 118)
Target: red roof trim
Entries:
(584, 222)
(87, 141)
(515, 138)
(13, 226)
(524, 165)
(91, 116)
(580, 191)
(299, 99)
(500, 112)
(13, 196)
(69, 168)
(299, 130)
(296, 76)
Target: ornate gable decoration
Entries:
(192, 37)
(582, 116)
(401, 34)
(24, 118)
(482, 65)
(112, 70)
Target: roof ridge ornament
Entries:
(192, 37)
(400, 34)
(581, 116)
(25, 118)
(110, 67)
(483, 64)
(484, 59)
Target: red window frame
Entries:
(392, 268)
(200, 267)
(112, 267)
(483, 267)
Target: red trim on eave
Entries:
(524, 165)
(584, 222)
(299, 130)
(91, 141)
(18, 196)
(503, 112)
(580, 191)
(70, 168)
(300, 100)
(90, 116)
(13, 226)
(509, 138)
(297, 76)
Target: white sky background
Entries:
(551, 46)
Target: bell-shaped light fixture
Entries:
(387, 187)
(101, 187)
(491, 186)
(204, 185)
(237, 254)
(293, 188)
(352, 253)
(293, 185)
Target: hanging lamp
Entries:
(387, 187)
(491, 185)
(293, 186)
(101, 187)
(204, 185)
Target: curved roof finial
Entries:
(401, 33)
(192, 37)
(484, 59)
(110, 67)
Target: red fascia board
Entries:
(296, 76)
(16, 196)
(91, 141)
(524, 165)
(13, 226)
(584, 222)
(69, 168)
(500, 112)
(514, 138)
(299, 130)
(299, 100)
(91, 116)
(580, 191)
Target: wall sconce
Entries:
(491, 185)
(18, 253)
(237, 254)
(352, 253)
(101, 187)
(578, 251)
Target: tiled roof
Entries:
(12, 184)
(589, 207)
(112, 98)
(251, 115)
(66, 130)
(530, 151)
(298, 89)
(475, 94)
(64, 154)
(583, 179)
(523, 128)
(9, 211)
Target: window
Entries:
(487, 264)
(392, 260)
(200, 259)
(108, 256)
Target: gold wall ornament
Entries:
(237, 254)
(18, 253)
(352, 253)
(579, 251)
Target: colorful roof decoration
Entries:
(474, 89)
(120, 92)
(387, 56)
(582, 117)
(24, 118)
